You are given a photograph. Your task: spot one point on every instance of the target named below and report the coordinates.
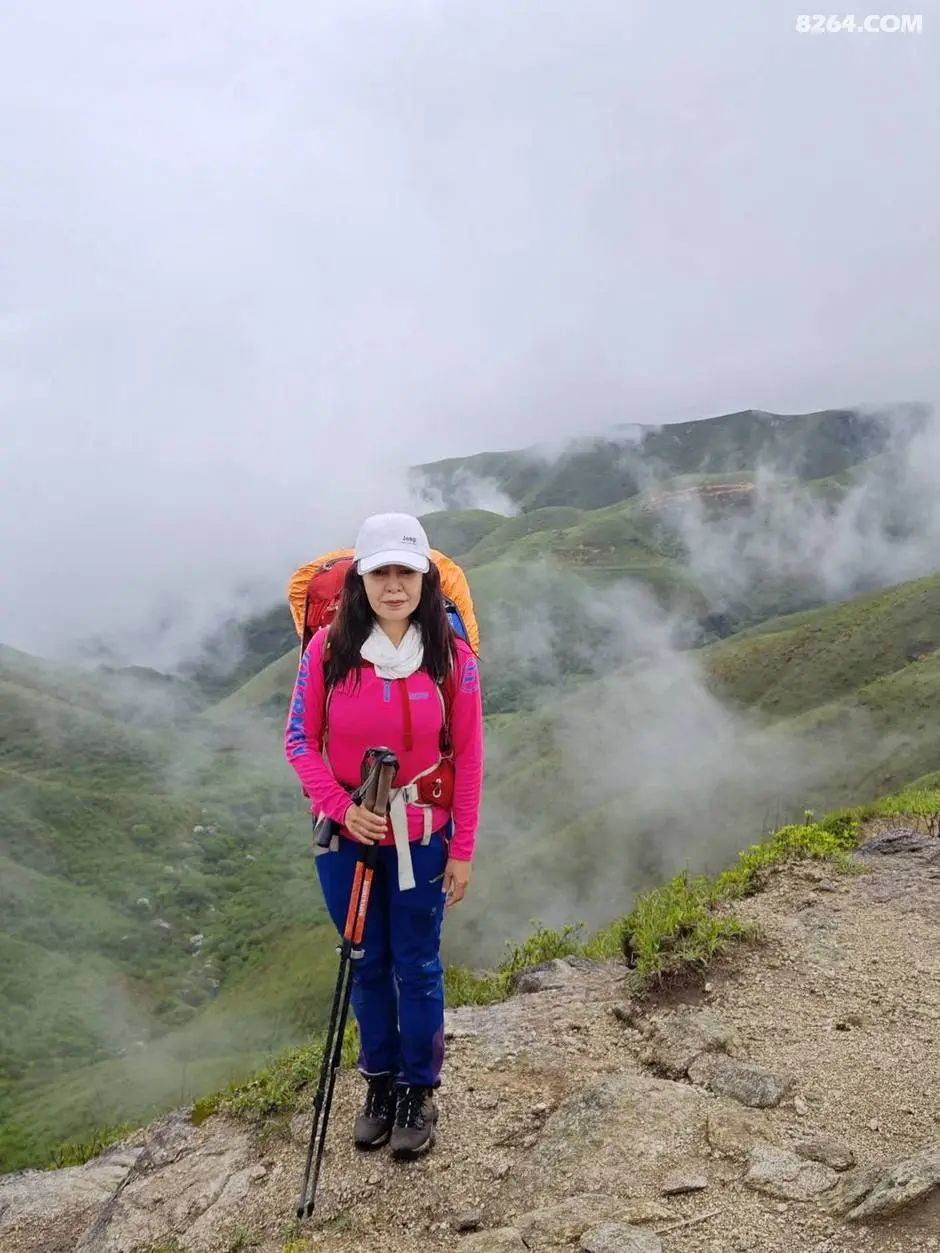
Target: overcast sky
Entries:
(233, 233)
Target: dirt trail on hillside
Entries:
(807, 1067)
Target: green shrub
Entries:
(468, 987)
(678, 927)
(606, 944)
(795, 842)
(541, 945)
(241, 1238)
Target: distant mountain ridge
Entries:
(595, 471)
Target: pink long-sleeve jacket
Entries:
(370, 714)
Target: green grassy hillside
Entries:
(152, 868)
(268, 691)
(130, 1074)
(460, 531)
(798, 662)
(515, 531)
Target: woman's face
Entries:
(393, 592)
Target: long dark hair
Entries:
(354, 620)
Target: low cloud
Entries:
(462, 489)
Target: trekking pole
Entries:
(379, 766)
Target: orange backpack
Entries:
(315, 589)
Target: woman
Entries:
(391, 672)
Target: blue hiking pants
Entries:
(398, 983)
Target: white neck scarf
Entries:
(391, 662)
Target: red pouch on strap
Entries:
(437, 787)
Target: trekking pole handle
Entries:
(383, 785)
(375, 791)
(375, 762)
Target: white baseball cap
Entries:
(392, 539)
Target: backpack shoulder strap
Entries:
(327, 690)
(448, 693)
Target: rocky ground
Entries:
(791, 1105)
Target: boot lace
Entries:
(410, 1107)
(378, 1097)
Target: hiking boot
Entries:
(415, 1116)
(374, 1124)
